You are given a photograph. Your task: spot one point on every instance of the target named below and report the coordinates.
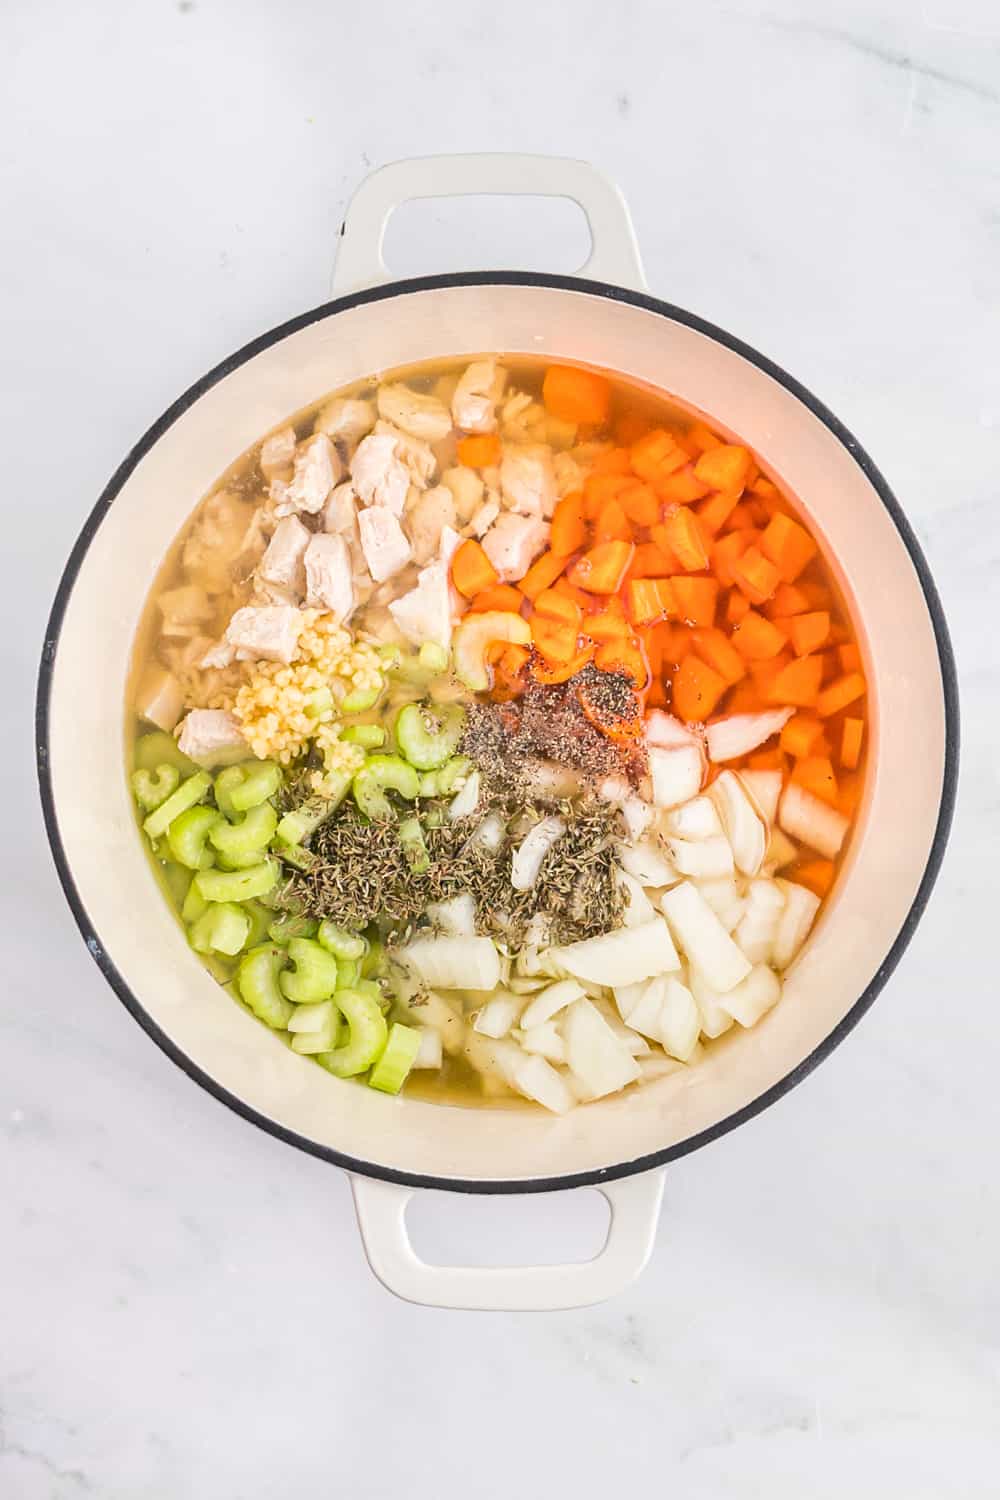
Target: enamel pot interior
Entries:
(135, 937)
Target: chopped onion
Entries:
(707, 858)
(758, 926)
(622, 957)
(457, 916)
(638, 907)
(696, 819)
(454, 963)
(467, 799)
(627, 997)
(780, 852)
(765, 789)
(663, 730)
(490, 833)
(745, 829)
(498, 1015)
(703, 937)
(600, 1063)
(532, 850)
(549, 1002)
(544, 1041)
(723, 896)
(614, 789)
(430, 1053)
(645, 1015)
(647, 862)
(753, 996)
(680, 1020)
(801, 906)
(811, 821)
(738, 734)
(676, 774)
(714, 1019)
(536, 1079)
(657, 1065)
(638, 815)
(521, 986)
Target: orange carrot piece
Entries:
(563, 586)
(650, 561)
(697, 689)
(840, 693)
(744, 698)
(555, 606)
(514, 658)
(715, 647)
(788, 545)
(702, 438)
(850, 743)
(503, 597)
(682, 487)
(763, 487)
(806, 632)
(555, 639)
(611, 522)
(758, 639)
(685, 540)
(569, 526)
(696, 599)
(544, 671)
(601, 570)
(800, 735)
(575, 395)
(725, 467)
(649, 600)
(613, 461)
(798, 683)
(816, 774)
(630, 427)
(727, 552)
(850, 657)
(626, 656)
(766, 760)
(714, 512)
(542, 574)
(755, 575)
(656, 455)
(788, 599)
(471, 569)
(479, 451)
(816, 874)
(737, 607)
(606, 625)
(849, 793)
(660, 536)
(641, 504)
(597, 488)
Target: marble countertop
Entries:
(184, 1305)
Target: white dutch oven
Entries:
(393, 1146)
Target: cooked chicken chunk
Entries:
(513, 543)
(317, 469)
(214, 539)
(484, 517)
(418, 415)
(222, 654)
(183, 609)
(427, 611)
(467, 488)
(415, 455)
(211, 736)
(378, 475)
(267, 632)
(434, 510)
(528, 480)
(474, 404)
(277, 454)
(346, 420)
(159, 700)
(282, 563)
(328, 575)
(383, 542)
(340, 511)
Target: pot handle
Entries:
(614, 252)
(635, 1208)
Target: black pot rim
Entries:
(949, 683)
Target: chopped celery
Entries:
(411, 838)
(374, 960)
(391, 657)
(221, 928)
(368, 1034)
(369, 736)
(159, 748)
(427, 738)
(261, 779)
(289, 925)
(378, 773)
(240, 861)
(260, 919)
(348, 973)
(401, 1049)
(316, 1028)
(188, 834)
(251, 833)
(304, 820)
(194, 904)
(226, 783)
(340, 942)
(177, 880)
(433, 657)
(236, 885)
(153, 787)
(295, 855)
(314, 976)
(187, 795)
(360, 699)
(429, 784)
(257, 982)
(453, 772)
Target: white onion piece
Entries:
(676, 774)
(614, 789)
(706, 858)
(664, 730)
(680, 1020)
(627, 997)
(645, 1015)
(811, 821)
(723, 896)
(498, 1015)
(549, 1002)
(658, 1065)
(714, 1018)
(753, 996)
(765, 789)
(454, 963)
(430, 1053)
(531, 852)
(738, 734)
(745, 829)
(801, 906)
(543, 1041)
(638, 907)
(696, 819)
(520, 986)
(646, 862)
(622, 957)
(703, 937)
(758, 927)
(456, 917)
(638, 815)
(490, 833)
(780, 852)
(631, 1040)
(599, 1062)
(536, 1079)
(467, 799)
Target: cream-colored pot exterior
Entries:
(134, 935)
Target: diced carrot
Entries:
(724, 467)
(727, 552)
(641, 504)
(757, 639)
(759, 511)
(715, 647)
(806, 632)
(649, 600)
(611, 522)
(800, 735)
(502, 597)
(556, 606)
(479, 451)
(744, 698)
(597, 488)
(514, 658)
(840, 693)
(788, 599)
(831, 666)
(601, 570)
(763, 487)
(737, 607)
(569, 526)
(651, 641)
(630, 427)
(766, 760)
(850, 657)
(544, 671)
(788, 545)
(625, 656)
(679, 645)
(741, 518)
(714, 512)
(542, 574)
(685, 539)
(471, 569)
(656, 455)
(555, 639)
(696, 598)
(613, 461)
(817, 594)
(816, 774)
(702, 438)
(681, 487)
(650, 561)
(850, 743)
(563, 586)
(816, 874)
(575, 395)
(697, 689)
(798, 683)
(766, 673)
(508, 671)
(623, 727)
(849, 793)
(755, 575)
(660, 536)
(656, 697)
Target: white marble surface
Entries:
(184, 1307)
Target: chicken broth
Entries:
(497, 730)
